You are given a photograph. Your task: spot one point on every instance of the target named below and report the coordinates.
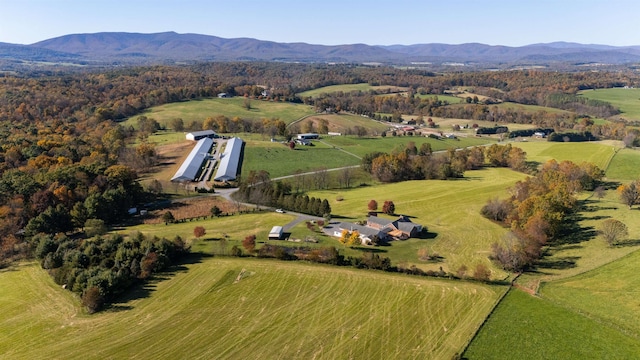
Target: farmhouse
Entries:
(197, 135)
(192, 164)
(308, 136)
(385, 229)
(230, 160)
(276, 233)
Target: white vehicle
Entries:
(280, 211)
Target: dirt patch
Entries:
(192, 208)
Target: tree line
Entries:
(536, 210)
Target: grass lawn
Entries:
(450, 209)
(625, 166)
(526, 327)
(198, 110)
(275, 309)
(624, 99)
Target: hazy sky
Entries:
(331, 22)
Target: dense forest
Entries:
(64, 158)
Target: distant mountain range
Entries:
(170, 47)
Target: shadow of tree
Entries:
(144, 288)
(562, 263)
(627, 243)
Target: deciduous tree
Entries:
(613, 230)
(199, 231)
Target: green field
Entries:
(348, 88)
(627, 100)
(625, 166)
(198, 110)
(280, 160)
(277, 309)
(609, 294)
(527, 327)
(365, 145)
(450, 209)
(597, 153)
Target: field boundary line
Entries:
(484, 322)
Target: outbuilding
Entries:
(197, 135)
(276, 233)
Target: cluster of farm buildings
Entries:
(384, 229)
(200, 161)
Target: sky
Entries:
(334, 22)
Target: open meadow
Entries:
(625, 165)
(365, 145)
(528, 327)
(348, 88)
(226, 308)
(597, 153)
(198, 110)
(279, 160)
(624, 99)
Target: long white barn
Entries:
(229, 161)
(191, 165)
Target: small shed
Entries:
(276, 233)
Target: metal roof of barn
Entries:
(230, 160)
(191, 165)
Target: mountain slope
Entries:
(120, 47)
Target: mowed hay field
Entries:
(624, 99)
(198, 110)
(223, 308)
(609, 294)
(597, 153)
(348, 88)
(279, 160)
(625, 166)
(450, 209)
(528, 327)
(341, 123)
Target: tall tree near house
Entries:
(354, 238)
(373, 205)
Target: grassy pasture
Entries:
(597, 153)
(348, 88)
(608, 294)
(198, 110)
(280, 160)
(365, 145)
(625, 165)
(527, 327)
(627, 100)
(275, 310)
(450, 209)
